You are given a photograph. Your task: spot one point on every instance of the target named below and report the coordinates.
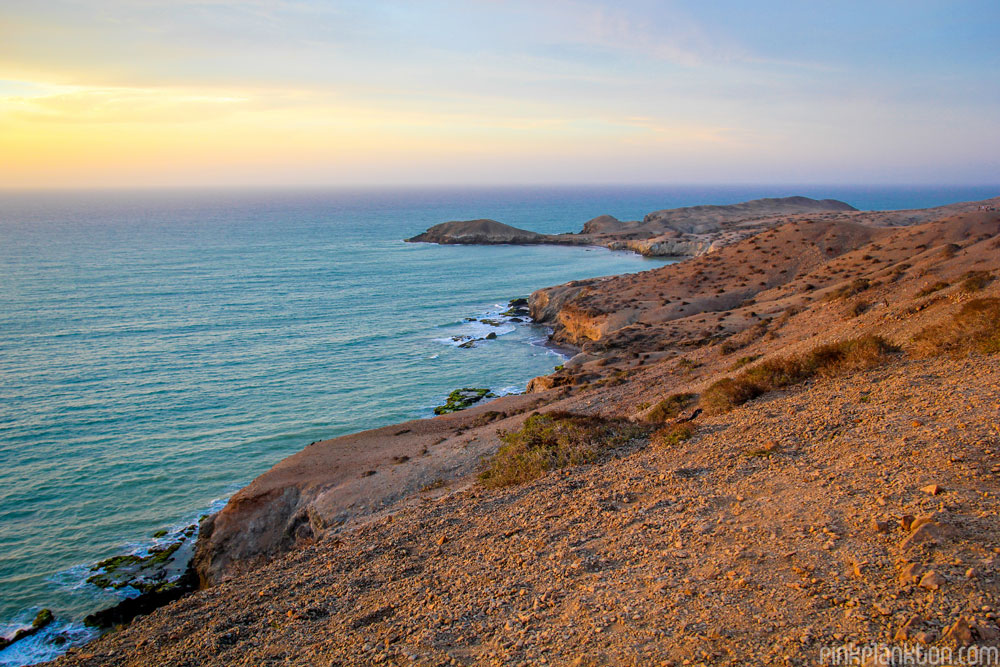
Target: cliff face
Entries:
(340, 482)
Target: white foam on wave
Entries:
(40, 647)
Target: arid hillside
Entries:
(783, 446)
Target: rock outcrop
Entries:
(477, 232)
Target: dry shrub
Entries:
(973, 281)
(726, 394)
(974, 328)
(670, 407)
(673, 434)
(554, 440)
(858, 308)
(930, 289)
(854, 287)
(825, 361)
(745, 338)
(849, 356)
(743, 361)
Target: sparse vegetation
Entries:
(974, 281)
(554, 440)
(433, 486)
(673, 434)
(824, 361)
(847, 291)
(743, 361)
(974, 328)
(670, 407)
(930, 289)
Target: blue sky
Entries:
(504, 91)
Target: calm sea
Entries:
(160, 349)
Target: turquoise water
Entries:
(160, 349)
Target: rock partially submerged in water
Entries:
(42, 619)
(162, 566)
(162, 575)
(126, 610)
(463, 398)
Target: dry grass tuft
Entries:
(974, 328)
(824, 361)
(853, 288)
(974, 281)
(554, 440)
(670, 407)
(930, 289)
(673, 434)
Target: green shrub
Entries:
(670, 407)
(554, 440)
(974, 328)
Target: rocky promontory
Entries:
(679, 232)
(477, 232)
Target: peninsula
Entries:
(787, 443)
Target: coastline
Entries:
(176, 575)
(512, 414)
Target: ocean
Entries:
(159, 349)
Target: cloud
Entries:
(79, 105)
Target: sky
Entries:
(146, 93)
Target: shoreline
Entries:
(653, 506)
(143, 602)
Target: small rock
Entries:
(442, 540)
(932, 489)
(925, 637)
(932, 580)
(960, 632)
(910, 574)
(928, 531)
(880, 526)
(906, 521)
(905, 631)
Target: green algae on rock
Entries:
(463, 398)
